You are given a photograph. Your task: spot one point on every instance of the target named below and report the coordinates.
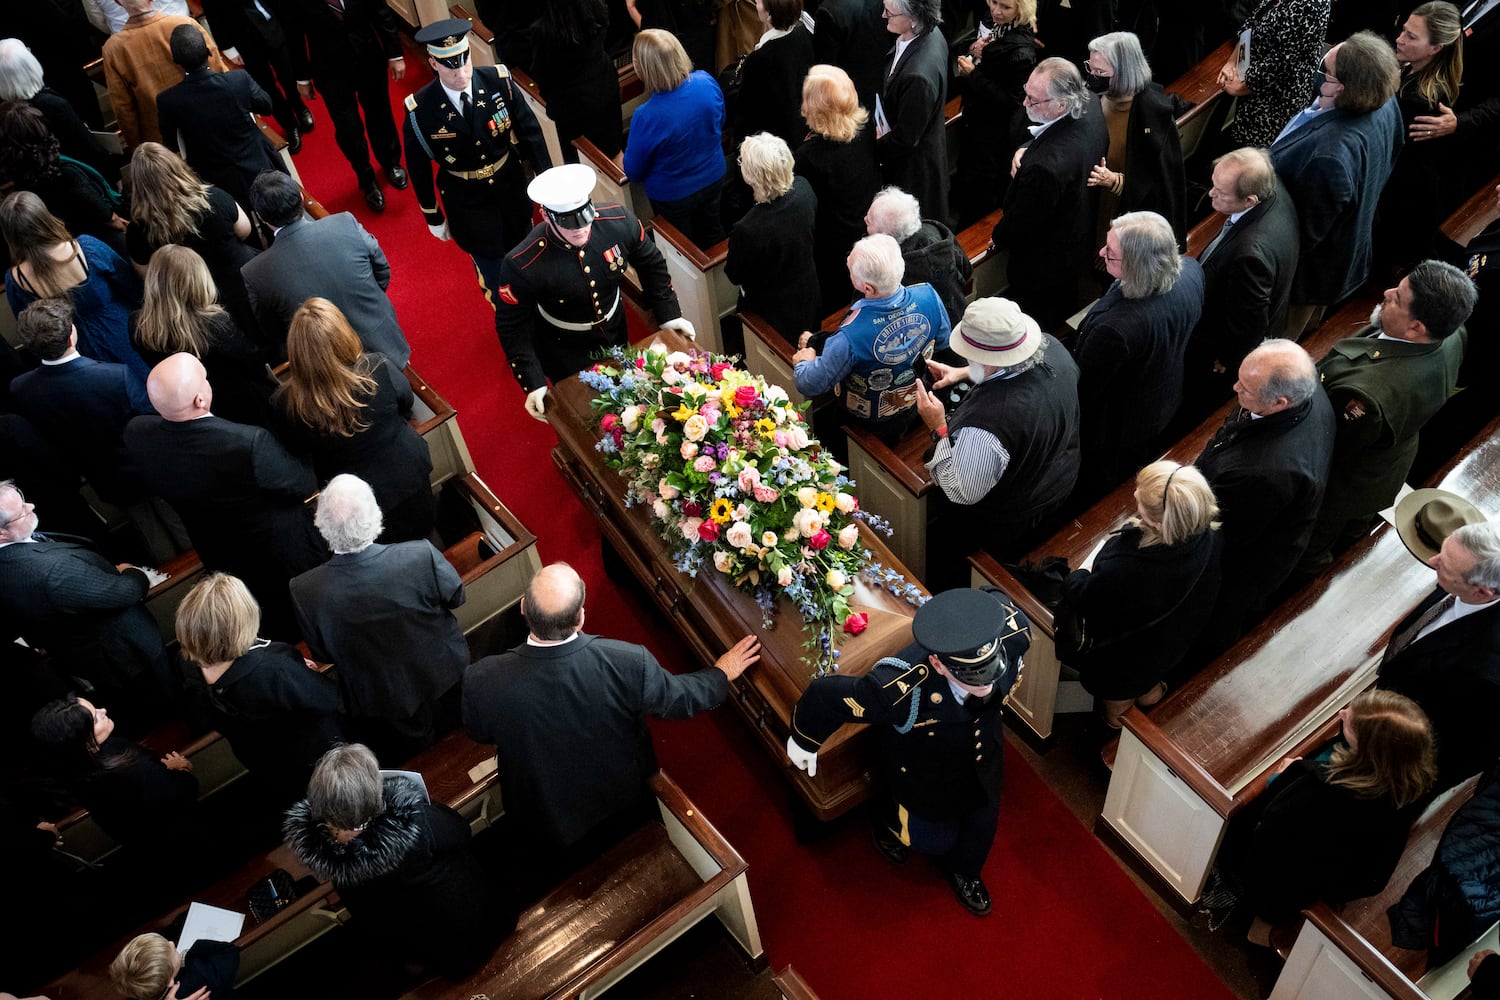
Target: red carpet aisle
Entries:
(1067, 924)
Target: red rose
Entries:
(745, 396)
(618, 433)
(692, 509)
(640, 361)
(709, 531)
(856, 623)
(718, 369)
(819, 541)
(608, 421)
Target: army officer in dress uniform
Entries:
(938, 704)
(558, 300)
(475, 126)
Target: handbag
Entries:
(1074, 642)
(268, 896)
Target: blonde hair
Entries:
(1394, 753)
(166, 196)
(767, 166)
(144, 968)
(660, 61)
(830, 104)
(218, 620)
(30, 232)
(328, 387)
(180, 298)
(1441, 79)
(1177, 502)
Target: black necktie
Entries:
(1413, 631)
(37, 536)
(1214, 245)
(468, 110)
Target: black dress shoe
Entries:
(971, 893)
(293, 141)
(396, 174)
(374, 197)
(305, 120)
(890, 848)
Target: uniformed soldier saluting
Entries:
(475, 126)
(558, 300)
(939, 706)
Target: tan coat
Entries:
(138, 65)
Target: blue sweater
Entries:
(674, 144)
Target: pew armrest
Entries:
(704, 259)
(1475, 215)
(1187, 770)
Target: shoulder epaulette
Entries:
(904, 682)
(501, 71)
(411, 102)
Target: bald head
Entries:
(1275, 376)
(179, 388)
(553, 605)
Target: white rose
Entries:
(739, 535)
(723, 561)
(836, 579)
(844, 502)
(742, 513)
(791, 534)
(784, 576)
(695, 428)
(775, 394)
(769, 539)
(677, 358)
(796, 437)
(631, 418)
(689, 449)
(808, 522)
(670, 375)
(667, 490)
(807, 496)
(650, 460)
(658, 348)
(689, 528)
(661, 510)
(849, 536)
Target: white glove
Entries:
(682, 326)
(440, 232)
(801, 759)
(536, 403)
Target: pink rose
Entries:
(689, 528)
(819, 541)
(704, 464)
(765, 494)
(780, 439)
(856, 623)
(608, 421)
(708, 531)
(718, 369)
(749, 478)
(745, 395)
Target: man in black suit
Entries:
(64, 597)
(851, 35)
(241, 494)
(351, 45)
(1445, 655)
(252, 35)
(82, 406)
(1050, 210)
(910, 125)
(383, 615)
(566, 710)
(1268, 466)
(334, 258)
(208, 117)
(1247, 273)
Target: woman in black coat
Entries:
(1143, 169)
(1151, 588)
(914, 152)
(278, 712)
(770, 96)
(578, 78)
(994, 71)
(400, 863)
(1333, 828)
(838, 160)
(771, 248)
(348, 411)
(150, 967)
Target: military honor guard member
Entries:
(558, 297)
(474, 125)
(938, 705)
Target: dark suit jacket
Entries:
(1247, 283)
(335, 44)
(771, 257)
(66, 598)
(1268, 476)
(82, 408)
(914, 154)
(851, 34)
(568, 728)
(1154, 177)
(1334, 167)
(337, 259)
(240, 494)
(239, 25)
(1049, 218)
(210, 113)
(383, 617)
(1454, 674)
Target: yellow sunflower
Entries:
(722, 510)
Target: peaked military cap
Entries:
(975, 633)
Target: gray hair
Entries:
(1482, 541)
(20, 73)
(1442, 297)
(1123, 50)
(1065, 83)
(925, 14)
(1256, 176)
(1149, 262)
(876, 260)
(348, 517)
(1290, 371)
(346, 790)
(895, 213)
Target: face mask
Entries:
(1097, 84)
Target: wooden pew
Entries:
(1199, 86)
(1202, 755)
(1474, 216)
(703, 289)
(609, 918)
(792, 986)
(457, 771)
(435, 419)
(1347, 954)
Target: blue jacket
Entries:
(1335, 167)
(674, 145)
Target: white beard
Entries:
(976, 372)
(1375, 316)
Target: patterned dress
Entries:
(1286, 42)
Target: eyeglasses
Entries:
(1113, 258)
(886, 14)
(1031, 102)
(1319, 70)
